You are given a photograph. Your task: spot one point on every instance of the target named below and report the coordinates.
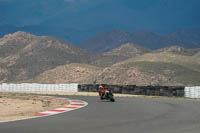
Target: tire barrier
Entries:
(192, 92)
(25, 87)
(137, 90)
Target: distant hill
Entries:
(64, 33)
(105, 41)
(125, 51)
(128, 50)
(108, 40)
(179, 50)
(187, 38)
(23, 55)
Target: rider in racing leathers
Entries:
(101, 91)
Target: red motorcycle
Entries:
(105, 94)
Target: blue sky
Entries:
(154, 15)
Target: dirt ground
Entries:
(17, 105)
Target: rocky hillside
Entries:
(69, 73)
(181, 69)
(85, 74)
(149, 69)
(190, 62)
(125, 51)
(23, 55)
(179, 50)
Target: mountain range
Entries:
(107, 40)
(43, 59)
(99, 42)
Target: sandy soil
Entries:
(16, 106)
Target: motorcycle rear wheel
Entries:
(112, 100)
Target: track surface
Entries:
(127, 115)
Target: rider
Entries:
(101, 91)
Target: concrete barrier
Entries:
(192, 92)
(39, 87)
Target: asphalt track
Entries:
(126, 115)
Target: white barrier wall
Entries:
(192, 92)
(189, 92)
(39, 87)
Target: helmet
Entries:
(100, 86)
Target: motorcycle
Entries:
(107, 96)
